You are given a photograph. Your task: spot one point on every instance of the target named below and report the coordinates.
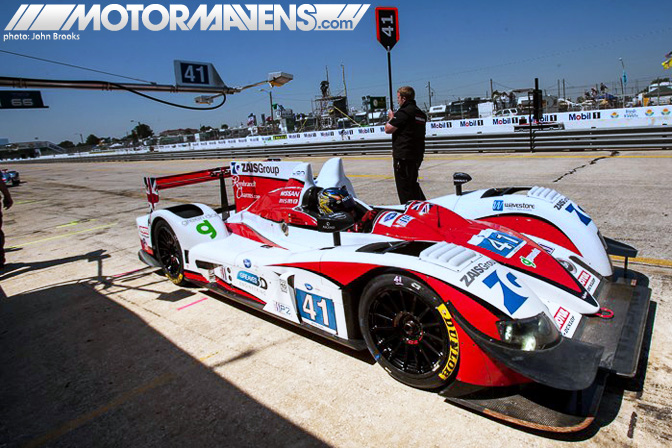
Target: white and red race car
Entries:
(502, 302)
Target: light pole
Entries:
(624, 80)
(270, 96)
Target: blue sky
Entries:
(457, 46)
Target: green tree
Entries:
(142, 131)
(92, 140)
(66, 144)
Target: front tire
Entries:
(169, 253)
(409, 331)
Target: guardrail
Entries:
(631, 138)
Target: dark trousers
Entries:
(2, 243)
(406, 178)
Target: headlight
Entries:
(532, 333)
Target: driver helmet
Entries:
(334, 200)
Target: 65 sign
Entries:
(387, 26)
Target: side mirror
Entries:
(458, 180)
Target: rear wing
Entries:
(154, 184)
(249, 180)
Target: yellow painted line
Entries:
(644, 260)
(208, 356)
(74, 223)
(65, 235)
(29, 201)
(121, 399)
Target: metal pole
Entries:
(270, 96)
(389, 77)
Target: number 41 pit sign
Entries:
(387, 27)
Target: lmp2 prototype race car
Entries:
(504, 300)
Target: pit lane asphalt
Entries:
(97, 351)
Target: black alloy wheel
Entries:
(406, 333)
(169, 253)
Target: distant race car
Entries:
(10, 177)
(505, 303)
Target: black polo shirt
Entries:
(408, 141)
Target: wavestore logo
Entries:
(157, 17)
(498, 205)
(585, 116)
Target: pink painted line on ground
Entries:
(192, 303)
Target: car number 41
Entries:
(316, 309)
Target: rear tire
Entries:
(409, 331)
(169, 253)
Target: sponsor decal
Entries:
(561, 203)
(205, 228)
(498, 205)
(512, 300)
(630, 113)
(327, 134)
(144, 231)
(547, 249)
(566, 321)
(280, 137)
(247, 263)
(584, 277)
(441, 125)
(403, 221)
(665, 112)
(291, 191)
(454, 350)
(186, 222)
(529, 260)
(473, 273)
(649, 113)
(614, 114)
(252, 279)
(585, 116)
(470, 123)
(387, 219)
(290, 195)
(398, 281)
(282, 308)
(308, 286)
(500, 121)
(521, 206)
(589, 281)
(500, 243)
(283, 286)
(366, 130)
(254, 168)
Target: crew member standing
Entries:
(6, 202)
(407, 127)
